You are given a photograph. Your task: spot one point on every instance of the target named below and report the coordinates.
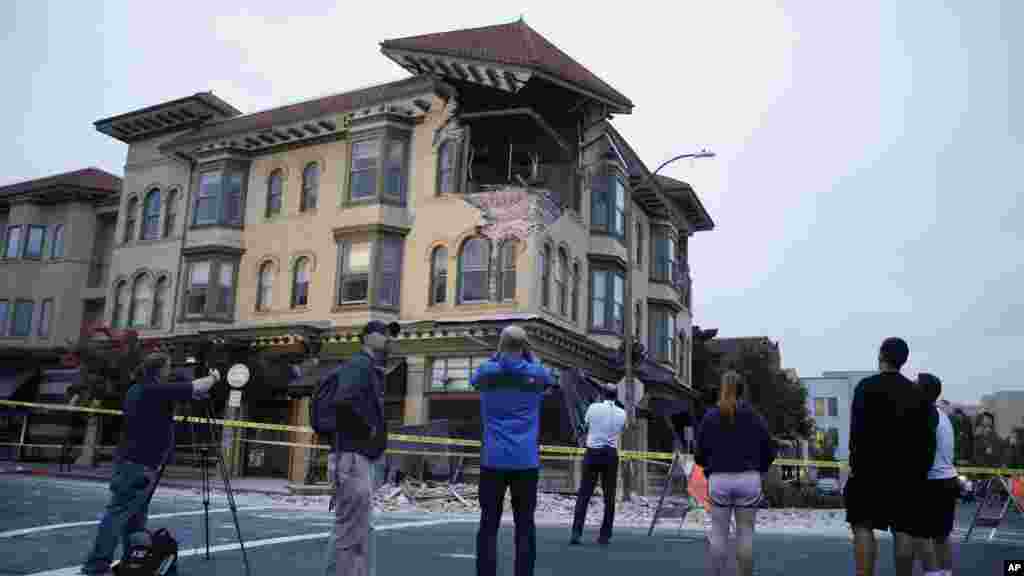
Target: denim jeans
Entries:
(125, 513)
(330, 560)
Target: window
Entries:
(453, 374)
(394, 183)
(833, 407)
(607, 300)
(219, 200)
(355, 277)
(142, 301)
(57, 249)
(364, 169)
(662, 337)
(439, 275)
(13, 242)
(265, 288)
(388, 288)
(474, 263)
(545, 277)
(507, 280)
(122, 297)
(599, 204)
(5, 313)
(151, 216)
(310, 187)
(619, 213)
(129, 219)
(198, 285)
(226, 289)
(446, 158)
(22, 318)
(36, 240)
(608, 204)
(45, 312)
(819, 407)
(575, 291)
(300, 283)
(171, 216)
(639, 245)
(159, 302)
(274, 193)
(664, 257)
(562, 282)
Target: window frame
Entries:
(130, 220)
(145, 307)
(461, 271)
(546, 258)
(213, 291)
(380, 274)
(145, 233)
(222, 198)
(345, 276)
(269, 211)
(455, 148)
(159, 308)
(562, 281)
(6, 317)
(638, 240)
(264, 302)
(438, 277)
(45, 319)
(662, 271)
(28, 242)
(118, 315)
(611, 272)
(663, 324)
(310, 191)
(575, 304)
(294, 303)
(28, 322)
(377, 236)
(472, 363)
(58, 242)
(604, 202)
(7, 241)
(171, 213)
(384, 138)
(507, 273)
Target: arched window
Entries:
(509, 251)
(474, 263)
(446, 168)
(142, 301)
(121, 298)
(575, 304)
(274, 193)
(545, 277)
(562, 279)
(265, 288)
(151, 215)
(171, 214)
(57, 250)
(159, 302)
(439, 275)
(129, 219)
(310, 187)
(300, 283)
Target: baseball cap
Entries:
(377, 327)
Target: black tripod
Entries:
(204, 453)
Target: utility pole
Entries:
(627, 318)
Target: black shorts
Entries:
(938, 508)
(868, 503)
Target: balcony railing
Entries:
(99, 273)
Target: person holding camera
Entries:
(605, 421)
(147, 440)
(512, 385)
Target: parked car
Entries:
(828, 486)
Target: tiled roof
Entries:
(514, 44)
(333, 104)
(88, 178)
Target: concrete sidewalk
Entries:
(174, 476)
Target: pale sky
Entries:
(864, 185)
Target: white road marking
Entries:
(74, 570)
(49, 527)
(458, 555)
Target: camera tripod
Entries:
(203, 451)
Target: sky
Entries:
(864, 183)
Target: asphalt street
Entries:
(48, 526)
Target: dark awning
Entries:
(56, 382)
(11, 379)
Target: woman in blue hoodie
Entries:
(735, 450)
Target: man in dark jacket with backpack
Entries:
(359, 437)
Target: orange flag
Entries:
(1018, 488)
(697, 486)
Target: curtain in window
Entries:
(355, 284)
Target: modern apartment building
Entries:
(829, 398)
(294, 226)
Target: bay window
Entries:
(379, 167)
(12, 242)
(22, 325)
(210, 285)
(454, 374)
(370, 269)
(474, 270)
(662, 333)
(36, 241)
(607, 298)
(219, 198)
(608, 204)
(663, 246)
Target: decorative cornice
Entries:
(213, 250)
(377, 228)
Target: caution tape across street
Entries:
(550, 452)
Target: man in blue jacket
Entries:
(512, 385)
(148, 439)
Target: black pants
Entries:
(493, 483)
(603, 462)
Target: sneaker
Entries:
(575, 540)
(603, 542)
(97, 569)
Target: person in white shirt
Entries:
(942, 487)
(604, 421)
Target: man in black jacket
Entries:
(361, 440)
(891, 451)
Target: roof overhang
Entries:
(166, 118)
(689, 203)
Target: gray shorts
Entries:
(731, 490)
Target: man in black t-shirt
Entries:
(891, 451)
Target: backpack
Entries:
(323, 417)
(158, 557)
